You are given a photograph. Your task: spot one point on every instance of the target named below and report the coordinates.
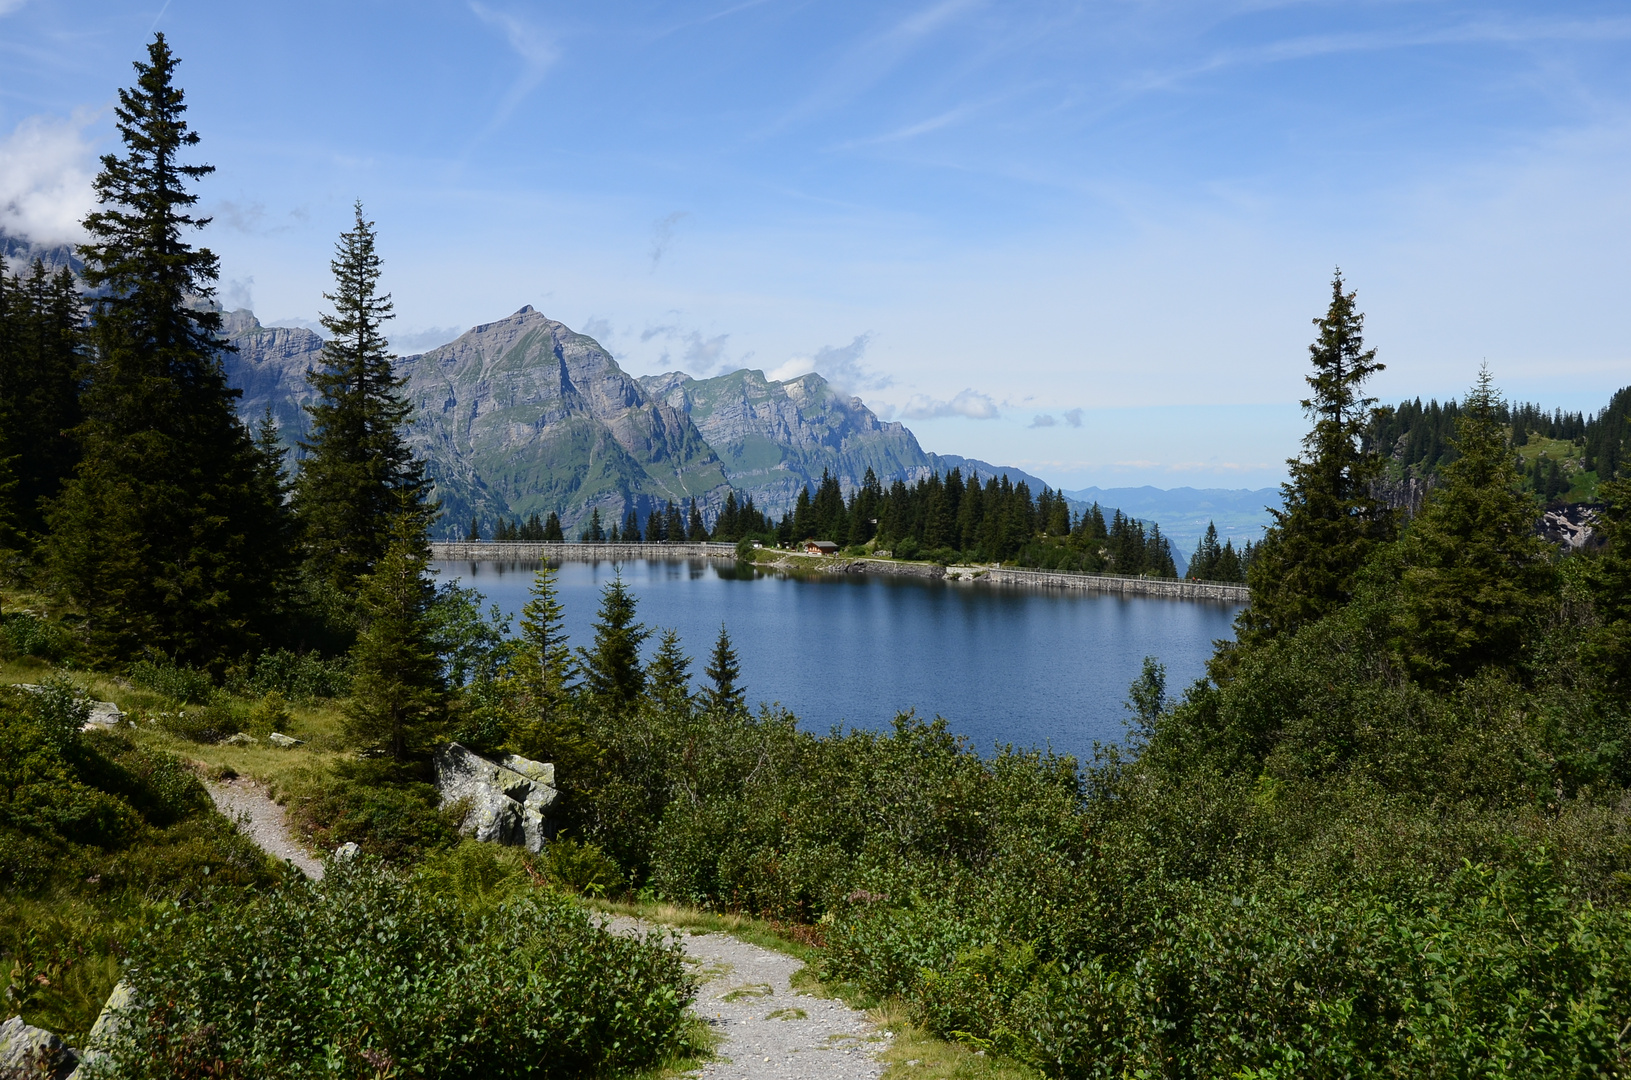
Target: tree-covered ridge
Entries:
(1564, 453)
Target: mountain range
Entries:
(523, 415)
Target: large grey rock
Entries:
(31, 1053)
(508, 800)
(106, 1028)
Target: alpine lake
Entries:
(1034, 668)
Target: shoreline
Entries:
(799, 563)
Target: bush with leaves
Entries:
(369, 973)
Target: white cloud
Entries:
(1073, 417)
(704, 356)
(1043, 420)
(970, 403)
(417, 341)
(237, 293)
(8, 6)
(840, 365)
(45, 178)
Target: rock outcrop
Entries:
(507, 800)
(31, 1053)
(776, 437)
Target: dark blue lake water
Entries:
(1001, 664)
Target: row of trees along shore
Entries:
(938, 517)
(1387, 834)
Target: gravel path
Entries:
(259, 818)
(772, 1031)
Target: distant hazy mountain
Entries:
(774, 438)
(19, 255)
(1241, 514)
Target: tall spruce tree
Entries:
(611, 664)
(165, 535)
(1330, 521)
(359, 475)
(398, 694)
(1475, 576)
(723, 695)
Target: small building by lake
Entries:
(820, 547)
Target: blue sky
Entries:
(1083, 238)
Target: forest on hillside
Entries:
(1388, 834)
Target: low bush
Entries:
(178, 682)
(25, 634)
(93, 831)
(201, 724)
(368, 973)
(297, 676)
(385, 809)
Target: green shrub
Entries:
(581, 867)
(297, 676)
(269, 714)
(202, 724)
(179, 683)
(382, 808)
(61, 709)
(369, 974)
(26, 634)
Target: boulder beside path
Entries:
(508, 799)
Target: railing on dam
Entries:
(484, 551)
(1115, 583)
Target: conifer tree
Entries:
(1608, 648)
(611, 664)
(592, 532)
(552, 529)
(41, 353)
(724, 696)
(654, 526)
(165, 534)
(543, 663)
(398, 696)
(359, 472)
(1306, 565)
(631, 526)
(668, 676)
(1475, 577)
(695, 531)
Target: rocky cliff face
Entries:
(546, 420)
(517, 416)
(773, 438)
(523, 415)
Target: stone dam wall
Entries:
(468, 551)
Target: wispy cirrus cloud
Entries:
(535, 47)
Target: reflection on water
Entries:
(1001, 664)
